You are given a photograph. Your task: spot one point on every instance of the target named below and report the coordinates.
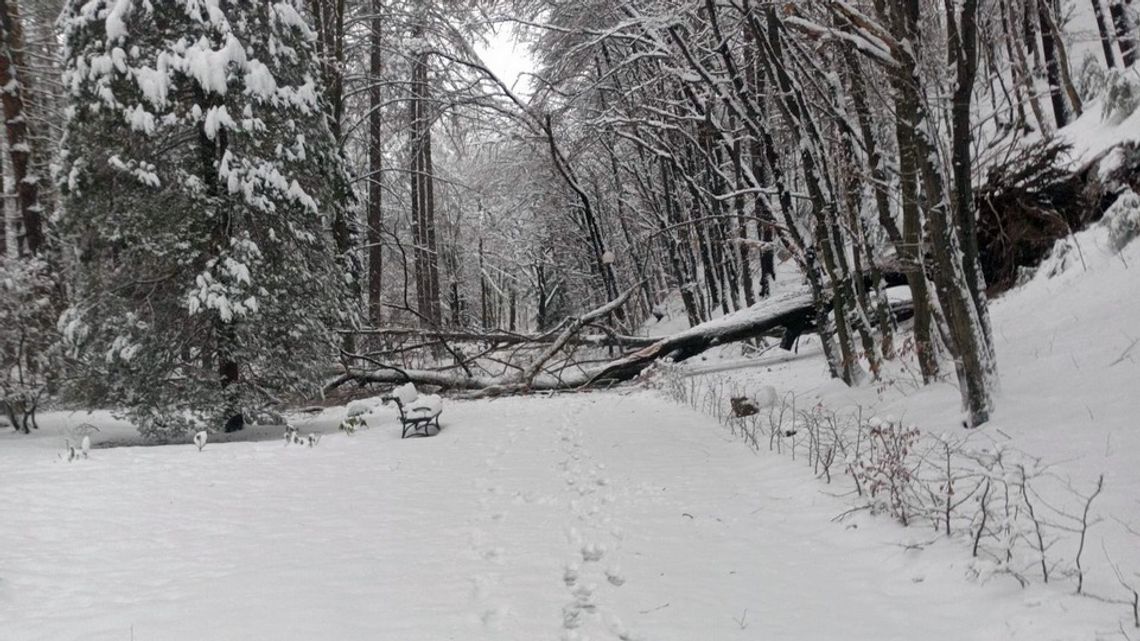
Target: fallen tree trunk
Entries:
(796, 310)
(524, 380)
(501, 337)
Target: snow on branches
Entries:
(200, 174)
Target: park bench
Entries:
(417, 412)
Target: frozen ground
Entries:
(600, 516)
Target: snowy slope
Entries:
(1069, 361)
(588, 516)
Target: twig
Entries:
(660, 607)
(1036, 526)
(1084, 531)
(985, 517)
(1124, 355)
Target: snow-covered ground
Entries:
(590, 516)
(1069, 362)
(599, 516)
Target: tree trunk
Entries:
(328, 18)
(912, 255)
(963, 44)
(426, 256)
(676, 261)
(375, 165)
(1021, 73)
(1125, 31)
(740, 226)
(1105, 36)
(844, 365)
(969, 343)
(15, 83)
(765, 233)
(1052, 64)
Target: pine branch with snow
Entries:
(200, 176)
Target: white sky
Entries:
(508, 59)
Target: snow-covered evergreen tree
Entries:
(199, 176)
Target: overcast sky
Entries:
(508, 59)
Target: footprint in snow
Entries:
(593, 552)
(615, 576)
(570, 575)
(571, 616)
(493, 617)
(618, 629)
(584, 595)
(574, 614)
(479, 587)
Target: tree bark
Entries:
(962, 35)
(912, 252)
(1105, 36)
(1125, 31)
(14, 93)
(1052, 64)
(375, 164)
(969, 344)
(426, 256)
(1021, 72)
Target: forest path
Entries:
(593, 516)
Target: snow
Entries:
(357, 408)
(774, 306)
(1090, 135)
(406, 394)
(116, 28)
(584, 516)
(1070, 370)
(430, 404)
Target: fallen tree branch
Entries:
(792, 314)
(503, 337)
(745, 324)
(573, 328)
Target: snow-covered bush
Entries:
(27, 338)
(351, 424)
(293, 437)
(1123, 220)
(199, 174)
(1090, 78)
(884, 470)
(958, 484)
(1121, 95)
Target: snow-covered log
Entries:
(791, 315)
(791, 310)
(502, 337)
(794, 310)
